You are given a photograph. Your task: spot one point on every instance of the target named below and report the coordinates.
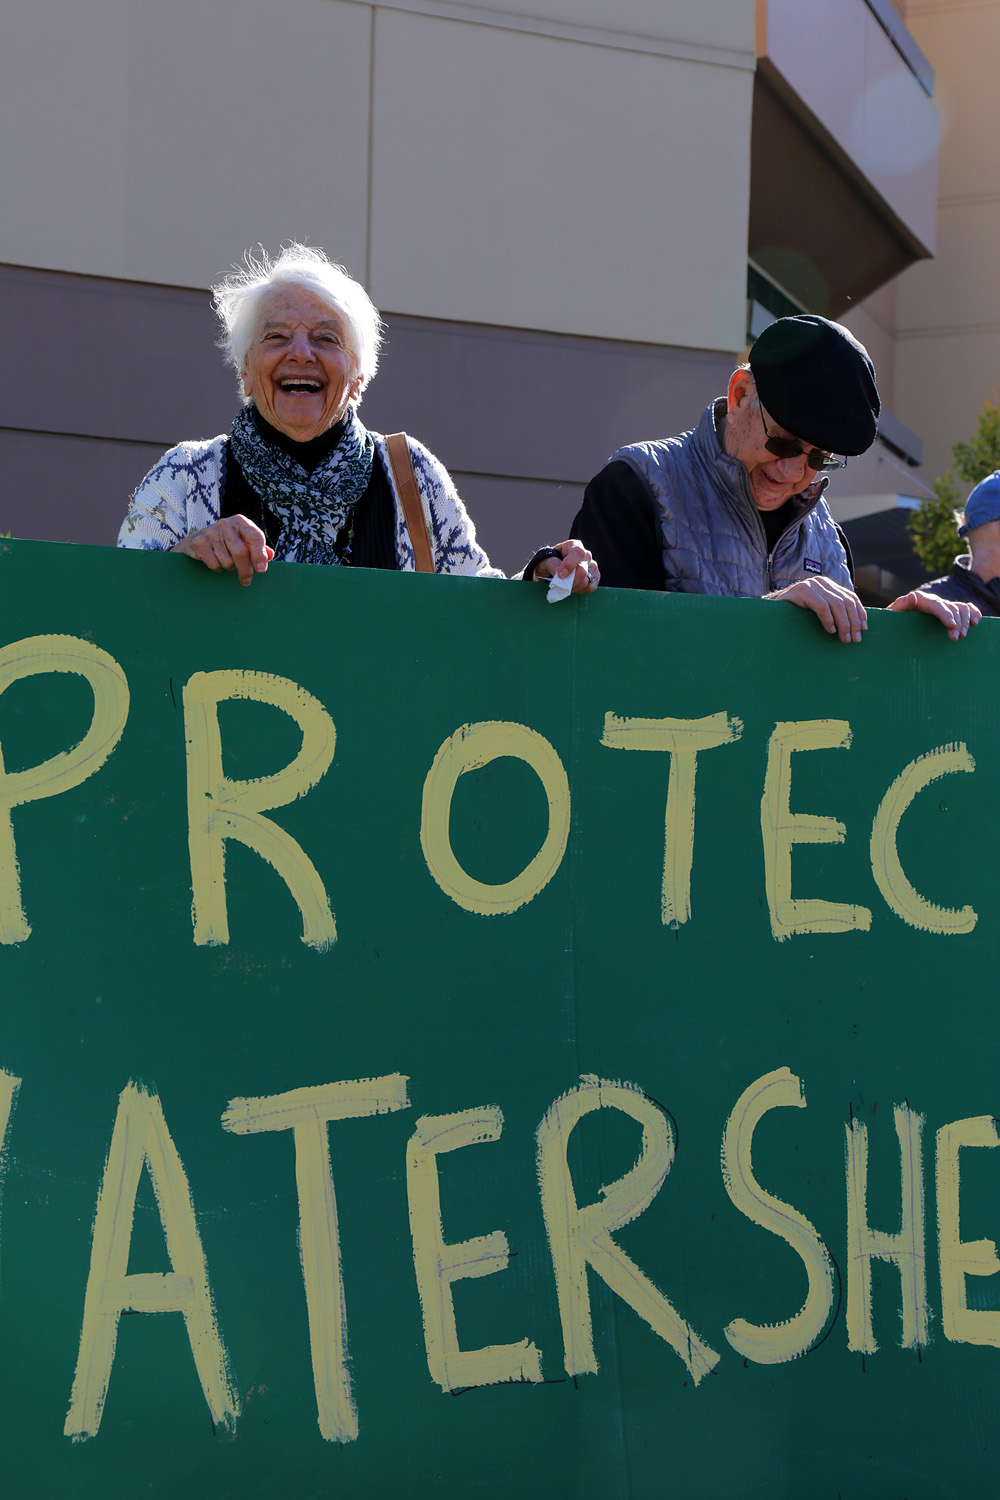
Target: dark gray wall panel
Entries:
(118, 359)
(534, 405)
(68, 489)
(514, 517)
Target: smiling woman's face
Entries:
(300, 370)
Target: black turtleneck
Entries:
(775, 521)
(373, 544)
(309, 454)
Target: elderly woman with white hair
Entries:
(299, 477)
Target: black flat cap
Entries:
(816, 380)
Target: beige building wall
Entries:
(698, 29)
(874, 323)
(155, 142)
(469, 162)
(948, 309)
(556, 184)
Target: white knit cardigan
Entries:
(181, 494)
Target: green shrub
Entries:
(932, 528)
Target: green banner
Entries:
(456, 1045)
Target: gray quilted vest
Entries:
(713, 538)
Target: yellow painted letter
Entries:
(306, 1113)
(781, 828)
(438, 1265)
(905, 1249)
(960, 1258)
(682, 739)
(220, 809)
(469, 748)
(9, 1086)
(578, 1236)
(141, 1134)
(774, 1343)
(886, 867)
(27, 658)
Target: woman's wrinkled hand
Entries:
(233, 542)
(576, 560)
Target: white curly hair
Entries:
(237, 300)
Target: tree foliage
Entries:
(932, 526)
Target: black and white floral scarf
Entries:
(312, 508)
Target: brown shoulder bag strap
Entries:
(409, 497)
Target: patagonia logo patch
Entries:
(812, 566)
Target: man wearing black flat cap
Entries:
(736, 505)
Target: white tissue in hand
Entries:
(559, 588)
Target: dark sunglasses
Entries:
(788, 448)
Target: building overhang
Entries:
(844, 142)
